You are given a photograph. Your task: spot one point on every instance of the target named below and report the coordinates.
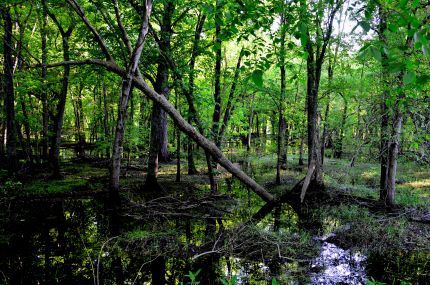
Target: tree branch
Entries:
(93, 30)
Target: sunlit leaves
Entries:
(409, 77)
(376, 53)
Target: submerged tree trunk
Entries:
(9, 98)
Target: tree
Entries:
(315, 31)
(9, 98)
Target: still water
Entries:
(85, 241)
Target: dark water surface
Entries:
(75, 241)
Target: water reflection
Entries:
(95, 241)
(337, 266)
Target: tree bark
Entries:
(158, 147)
(251, 116)
(44, 95)
(393, 153)
(384, 110)
(216, 117)
(190, 90)
(126, 89)
(338, 151)
(9, 99)
(229, 106)
(281, 120)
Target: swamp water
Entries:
(92, 241)
(75, 241)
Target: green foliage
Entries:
(229, 281)
(193, 277)
(40, 187)
(11, 188)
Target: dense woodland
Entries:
(180, 91)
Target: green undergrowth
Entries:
(55, 186)
(412, 183)
(75, 178)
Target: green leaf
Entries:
(396, 67)
(376, 53)
(423, 79)
(403, 3)
(257, 77)
(365, 25)
(409, 77)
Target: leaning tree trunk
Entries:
(127, 84)
(9, 98)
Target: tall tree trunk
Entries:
(229, 106)
(314, 150)
(190, 158)
(286, 143)
(79, 120)
(251, 116)
(126, 89)
(325, 130)
(178, 144)
(383, 152)
(44, 95)
(281, 145)
(27, 144)
(338, 151)
(106, 120)
(158, 147)
(393, 153)
(281, 120)
(216, 117)
(190, 90)
(9, 99)
(59, 117)
(301, 149)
